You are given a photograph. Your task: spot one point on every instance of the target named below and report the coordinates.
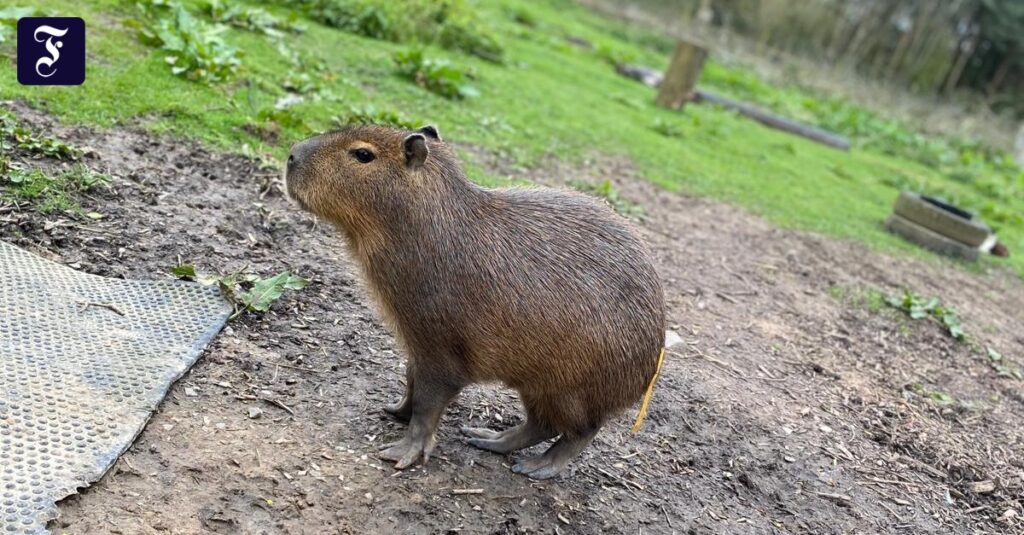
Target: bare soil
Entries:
(794, 406)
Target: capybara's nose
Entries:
(300, 151)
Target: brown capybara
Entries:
(547, 291)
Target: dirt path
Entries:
(788, 410)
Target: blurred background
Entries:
(906, 54)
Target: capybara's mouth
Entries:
(287, 186)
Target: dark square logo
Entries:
(51, 51)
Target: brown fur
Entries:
(547, 291)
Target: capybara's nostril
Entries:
(291, 160)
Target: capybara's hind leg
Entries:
(521, 436)
(429, 400)
(402, 410)
(553, 461)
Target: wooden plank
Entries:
(676, 89)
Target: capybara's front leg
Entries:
(429, 399)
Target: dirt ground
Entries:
(792, 407)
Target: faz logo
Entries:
(51, 51)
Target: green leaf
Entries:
(184, 271)
(993, 355)
(265, 291)
(295, 282)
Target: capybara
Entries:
(546, 290)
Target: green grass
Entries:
(545, 98)
(49, 192)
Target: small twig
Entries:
(726, 297)
(273, 402)
(112, 308)
(723, 364)
(458, 492)
(667, 518)
(88, 229)
(279, 405)
(893, 513)
(301, 369)
(841, 499)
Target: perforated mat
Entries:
(84, 361)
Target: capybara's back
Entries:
(553, 295)
(545, 290)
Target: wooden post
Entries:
(680, 78)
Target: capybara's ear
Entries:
(415, 151)
(430, 131)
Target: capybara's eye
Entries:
(363, 155)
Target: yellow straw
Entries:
(647, 396)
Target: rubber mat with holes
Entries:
(84, 361)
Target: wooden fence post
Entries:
(682, 74)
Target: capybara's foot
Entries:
(553, 461)
(401, 411)
(516, 438)
(481, 432)
(407, 451)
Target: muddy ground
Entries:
(794, 406)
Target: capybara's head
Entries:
(361, 174)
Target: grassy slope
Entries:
(551, 99)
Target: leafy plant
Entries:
(606, 190)
(9, 19)
(451, 24)
(613, 55)
(23, 138)
(918, 308)
(246, 291)
(307, 75)
(937, 396)
(369, 114)
(250, 18)
(436, 75)
(524, 16)
(667, 128)
(1001, 366)
(195, 49)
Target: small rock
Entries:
(672, 339)
(825, 429)
(191, 392)
(1008, 516)
(368, 498)
(255, 412)
(789, 459)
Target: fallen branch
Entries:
(774, 121)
